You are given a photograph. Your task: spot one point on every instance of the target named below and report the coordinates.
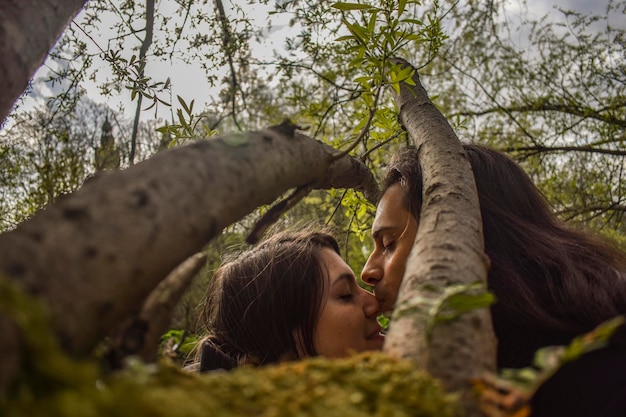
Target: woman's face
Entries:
(347, 319)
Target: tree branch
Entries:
(145, 45)
(141, 334)
(228, 50)
(448, 253)
(23, 51)
(134, 226)
(543, 106)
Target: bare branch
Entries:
(145, 45)
(141, 334)
(542, 106)
(228, 50)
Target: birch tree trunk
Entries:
(448, 253)
(28, 30)
(95, 255)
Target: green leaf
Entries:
(371, 26)
(351, 6)
(345, 38)
(358, 31)
(401, 7)
(182, 103)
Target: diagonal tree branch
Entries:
(141, 334)
(94, 256)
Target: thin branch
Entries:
(561, 108)
(336, 207)
(227, 43)
(494, 100)
(533, 150)
(315, 72)
(381, 144)
(180, 33)
(145, 45)
(365, 129)
(324, 117)
(274, 213)
(595, 211)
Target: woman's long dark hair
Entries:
(262, 307)
(551, 282)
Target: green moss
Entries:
(50, 384)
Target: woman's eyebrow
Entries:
(344, 277)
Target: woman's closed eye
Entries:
(347, 297)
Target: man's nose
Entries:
(372, 272)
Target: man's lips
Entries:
(385, 303)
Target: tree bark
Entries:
(28, 30)
(141, 335)
(95, 255)
(449, 251)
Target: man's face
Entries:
(394, 231)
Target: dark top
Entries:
(213, 358)
(593, 385)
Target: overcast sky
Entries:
(190, 82)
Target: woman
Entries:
(551, 282)
(291, 297)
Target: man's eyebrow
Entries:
(376, 233)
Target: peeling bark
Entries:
(28, 30)
(96, 254)
(449, 251)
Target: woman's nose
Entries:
(372, 272)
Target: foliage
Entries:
(45, 154)
(178, 345)
(41, 161)
(550, 91)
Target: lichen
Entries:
(51, 384)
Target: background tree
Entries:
(548, 90)
(47, 154)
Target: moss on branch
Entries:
(49, 383)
